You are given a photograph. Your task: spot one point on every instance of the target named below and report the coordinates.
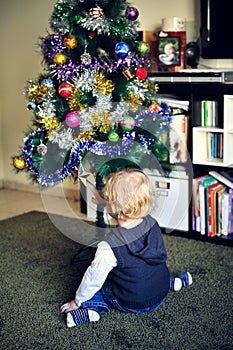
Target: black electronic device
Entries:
(192, 54)
(216, 39)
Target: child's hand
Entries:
(69, 306)
(97, 199)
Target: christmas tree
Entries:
(94, 99)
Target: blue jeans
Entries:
(104, 298)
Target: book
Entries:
(209, 113)
(219, 211)
(196, 203)
(212, 217)
(204, 208)
(226, 177)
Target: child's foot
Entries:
(186, 279)
(79, 316)
(176, 283)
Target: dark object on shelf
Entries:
(192, 54)
(216, 38)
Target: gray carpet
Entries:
(37, 277)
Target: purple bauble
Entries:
(132, 13)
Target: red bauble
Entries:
(66, 90)
(141, 73)
(92, 35)
(96, 12)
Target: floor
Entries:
(14, 203)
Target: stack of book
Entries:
(209, 113)
(212, 204)
(214, 145)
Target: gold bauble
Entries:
(19, 163)
(70, 41)
(59, 58)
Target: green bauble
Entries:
(143, 47)
(113, 136)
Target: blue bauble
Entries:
(122, 49)
(48, 82)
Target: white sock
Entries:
(69, 320)
(93, 316)
(177, 284)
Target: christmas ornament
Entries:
(127, 124)
(128, 74)
(42, 149)
(19, 163)
(31, 106)
(154, 107)
(113, 136)
(96, 12)
(91, 35)
(96, 21)
(59, 58)
(70, 41)
(48, 82)
(143, 47)
(122, 49)
(85, 58)
(66, 89)
(132, 13)
(141, 73)
(72, 119)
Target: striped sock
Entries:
(79, 316)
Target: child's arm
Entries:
(97, 199)
(94, 276)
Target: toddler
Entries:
(129, 270)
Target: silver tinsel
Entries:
(85, 120)
(86, 80)
(47, 107)
(103, 103)
(72, 2)
(64, 139)
(101, 25)
(121, 110)
(138, 89)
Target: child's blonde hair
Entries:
(129, 194)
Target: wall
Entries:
(21, 24)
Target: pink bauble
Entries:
(72, 119)
(66, 90)
(127, 124)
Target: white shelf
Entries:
(201, 139)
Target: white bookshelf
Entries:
(201, 135)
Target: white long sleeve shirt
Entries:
(96, 274)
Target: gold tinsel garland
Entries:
(103, 85)
(101, 121)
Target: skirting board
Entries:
(70, 193)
